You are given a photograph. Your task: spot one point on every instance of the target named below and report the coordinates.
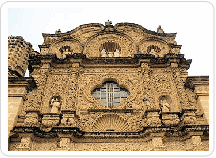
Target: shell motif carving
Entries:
(71, 46)
(157, 48)
(93, 46)
(110, 122)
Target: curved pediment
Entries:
(121, 40)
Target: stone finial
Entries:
(159, 29)
(108, 23)
(58, 31)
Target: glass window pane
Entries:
(110, 93)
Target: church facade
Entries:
(105, 88)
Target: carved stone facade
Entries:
(161, 107)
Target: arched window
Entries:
(110, 94)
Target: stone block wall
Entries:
(16, 93)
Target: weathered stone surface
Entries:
(148, 103)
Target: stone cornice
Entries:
(193, 81)
(171, 131)
(27, 82)
(133, 61)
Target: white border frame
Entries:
(4, 101)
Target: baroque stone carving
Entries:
(110, 122)
(50, 120)
(31, 119)
(18, 55)
(69, 120)
(155, 47)
(170, 119)
(162, 105)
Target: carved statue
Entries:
(159, 29)
(110, 54)
(117, 53)
(66, 52)
(164, 105)
(55, 105)
(103, 53)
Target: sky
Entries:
(192, 21)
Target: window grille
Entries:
(110, 94)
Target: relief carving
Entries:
(31, 119)
(155, 47)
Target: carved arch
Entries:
(154, 46)
(93, 45)
(56, 46)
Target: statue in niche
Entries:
(55, 104)
(103, 53)
(117, 53)
(165, 106)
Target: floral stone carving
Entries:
(50, 120)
